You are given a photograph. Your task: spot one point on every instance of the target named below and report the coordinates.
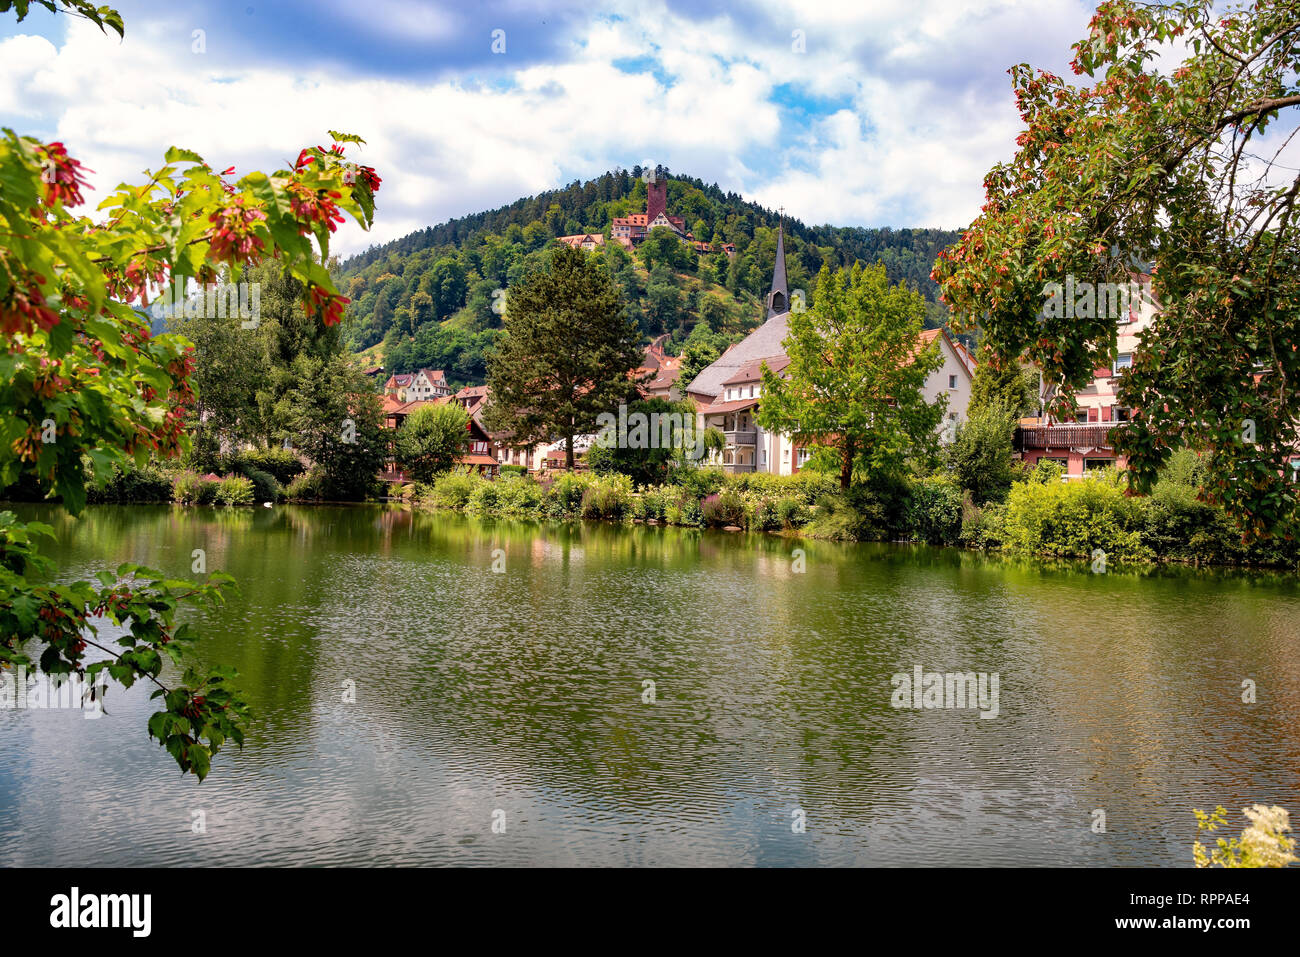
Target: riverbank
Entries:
(1043, 516)
(1095, 520)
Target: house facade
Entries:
(1085, 445)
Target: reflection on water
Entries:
(522, 692)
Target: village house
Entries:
(1084, 445)
(587, 242)
(417, 386)
(477, 457)
(659, 372)
(727, 392)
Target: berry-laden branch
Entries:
(85, 387)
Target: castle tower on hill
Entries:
(656, 196)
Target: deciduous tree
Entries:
(856, 372)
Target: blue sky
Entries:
(863, 113)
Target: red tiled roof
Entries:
(476, 458)
(753, 371)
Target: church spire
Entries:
(778, 299)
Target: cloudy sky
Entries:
(852, 113)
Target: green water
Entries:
(518, 696)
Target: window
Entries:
(1120, 414)
(1082, 417)
(1092, 465)
(952, 382)
(804, 456)
(1123, 361)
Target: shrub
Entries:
(133, 486)
(514, 470)
(684, 510)
(791, 512)
(652, 504)
(1071, 520)
(725, 508)
(517, 494)
(265, 487)
(235, 490)
(564, 497)
(702, 482)
(283, 464)
(835, 517)
(453, 489)
(935, 511)
(191, 489)
(309, 486)
(982, 527)
(609, 498)
(482, 497)
(1045, 473)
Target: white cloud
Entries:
(912, 150)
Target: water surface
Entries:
(518, 696)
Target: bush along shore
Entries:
(1040, 514)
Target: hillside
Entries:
(428, 298)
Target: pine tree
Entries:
(567, 353)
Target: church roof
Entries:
(779, 284)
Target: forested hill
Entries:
(427, 299)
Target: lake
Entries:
(598, 695)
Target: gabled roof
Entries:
(765, 342)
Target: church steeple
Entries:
(778, 299)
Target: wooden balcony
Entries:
(1094, 435)
(742, 437)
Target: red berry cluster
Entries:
(234, 233)
(328, 305)
(314, 206)
(62, 176)
(24, 308)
